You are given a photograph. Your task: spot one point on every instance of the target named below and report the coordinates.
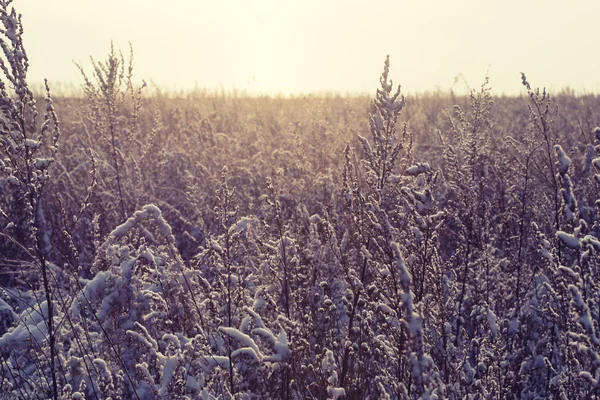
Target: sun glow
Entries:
(289, 47)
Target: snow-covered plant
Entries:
(141, 295)
(470, 287)
(569, 202)
(542, 118)
(26, 152)
(282, 253)
(228, 270)
(383, 151)
(383, 324)
(111, 114)
(567, 345)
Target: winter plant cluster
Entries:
(216, 246)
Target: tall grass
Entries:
(216, 246)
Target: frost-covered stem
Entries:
(522, 231)
(420, 293)
(445, 362)
(383, 165)
(111, 115)
(228, 266)
(346, 349)
(192, 294)
(463, 289)
(51, 337)
(286, 290)
(284, 262)
(421, 363)
(346, 355)
(555, 187)
(543, 126)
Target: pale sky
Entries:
(302, 46)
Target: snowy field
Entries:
(216, 246)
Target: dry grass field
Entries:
(218, 246)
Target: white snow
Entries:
(417, 169)
(241, 338)
(167, 375)
(569, 240)
(564, 162)
(492, 321)
(32, 326)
